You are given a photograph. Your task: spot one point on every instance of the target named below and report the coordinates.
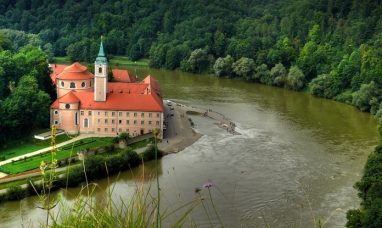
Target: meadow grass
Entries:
(115, 60)
(27, 145)
(62, 153)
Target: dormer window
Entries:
(62, 84)
(100, 70)
(72, 85)
(67, 106)
(83, 84)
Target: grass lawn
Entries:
(62, 60)
(62, 153)
(125, 61)
(27, 145)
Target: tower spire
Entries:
(101, 58)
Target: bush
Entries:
(15, 192)
(362, 98)
(295, 79)
(149, 153)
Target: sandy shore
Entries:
(179, 133)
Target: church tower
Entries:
(100, 75)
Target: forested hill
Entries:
(241, 28)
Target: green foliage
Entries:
(223, 66)
(278, 75)
(198, 61)
(5, 42)
(14, 192)
(149, 153)
(295, 79)
(370, 191)
(244, 68)
(367, 96)
(324, 85)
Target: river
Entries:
(296, 160)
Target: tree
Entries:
(278, 74)
(223, 66)
(5, 42)
(295, 79)
(263, 74)
(244, 67)
(25, 109)
(325, 85)
(198, 60)
(367, 93)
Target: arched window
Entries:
(100, 70)
(83, 84)
(62, 84)
(86, 122)
(72, 85)
(67, 106)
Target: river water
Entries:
(294, 163)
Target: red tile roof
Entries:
(121, 87)
(119, 102)
(123, 76)
(56, 70)
(69, 98)
(76, 71)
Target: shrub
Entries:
(149, 153)
(295, 79)
(15, 192)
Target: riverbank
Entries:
(180, 132)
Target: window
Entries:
(127, 114)
(56, 122)
(120, 114)
(76, 118)
(112, 121)
(105, 113)
(100, 70)
(127, 130)
(120, 130)
(142, 122)
(157, 123)
(120, 121)
(149, 122)
(135, 114)
(99, 113)
(158, 115)
(112, 129)
(55, 112)
(86, 122)
(98, 129)
(82, 113)
(72, 85)
(99, 120)
(67, 106)
(127, 122)
(105, 129)
(135, 122)
(62, 84)
(150, 114)
(142, 114)
(105, 121)
(90, 83)
(83, 84)
(90, 113)
(112, 113)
